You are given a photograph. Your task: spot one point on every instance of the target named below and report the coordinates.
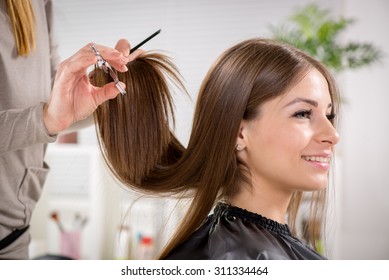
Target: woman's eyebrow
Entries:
(306, 100)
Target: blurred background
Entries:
(101, 220)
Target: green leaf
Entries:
(316, 32)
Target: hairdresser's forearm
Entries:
(53, 123)
(20, 128)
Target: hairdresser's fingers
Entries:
(73, 98)
(123, 46)
(109, 54)
(85, 57)
(108, 91)
(135, 54)
(114, 57)
(77, 63)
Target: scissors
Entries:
(103, 64)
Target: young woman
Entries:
(263, 134)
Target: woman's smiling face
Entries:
(290, 144)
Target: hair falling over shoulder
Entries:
(142, 152)
(137, 142)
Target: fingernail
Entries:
(125, 68)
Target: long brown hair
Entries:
(143, 153)
(22, 19)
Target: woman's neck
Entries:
(263, 199)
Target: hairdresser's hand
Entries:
(73, 98)
(124, 47)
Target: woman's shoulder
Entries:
(234, 233)
(196, 246)
(239, 234)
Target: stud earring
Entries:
(239, 147)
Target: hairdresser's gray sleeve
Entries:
(20, 128)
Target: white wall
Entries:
(364, 228)
(196, 32)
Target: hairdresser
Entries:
(38, 99)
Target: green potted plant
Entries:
(316, 32)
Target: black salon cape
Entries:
(232, 233)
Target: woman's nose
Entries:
(328, 133)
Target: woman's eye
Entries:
(305, 114)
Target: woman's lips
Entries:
(321, 162)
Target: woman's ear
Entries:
(241, 139)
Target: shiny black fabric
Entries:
(232, 233)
